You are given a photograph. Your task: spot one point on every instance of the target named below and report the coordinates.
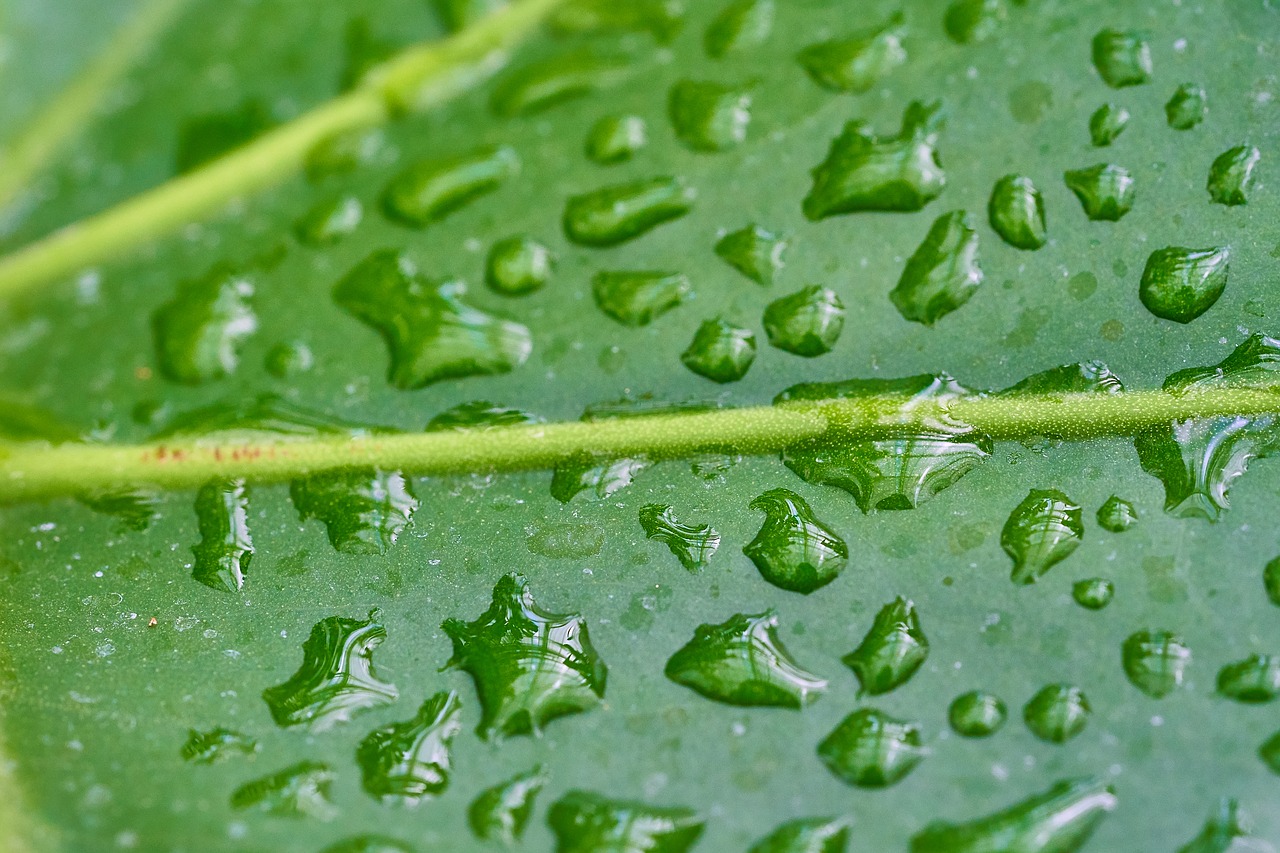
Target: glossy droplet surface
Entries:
(1232, 177)
(870, 749)
(410, 762)
(1060, 820)
(1253, 680)
(300, 790)
(1269, 752)
(1187, 107)
(567, 540)
(720, 351)
(517, 266)
(969, 21)
(198, 333)
(343, 152)
(1057, 713)
(1117, 515)
(807, 322)
(329, 221)
(637, 297)
(1086, 377)
(226, 548)
(909, 463)
(431, 333)
(480, 414)
(1122, 57)
(1155, 661)
(794, 550)
(1106, 124)
(868, 172)
(1180, 284)
(740, 26)
(430, 190)
(621, 212)
(594, 478)
(616, 139)
(753, 251)
(807, 835)
(133, 507)
(1271, 581)
(501, 813)
(1016, 211)
(742, 662)
(584, 822)
(289, 359)
(977, 714)
(661, 19)
(215, 745)
(709, 116)
(364, 510)
(1227, 830)
(267, 416)
(891, 652)
(1041, 532)
(1093, 593)
(942, 274)
(692, 544)
(856, 62)
(547, 82)
(529, 665)
(336, 679)
(1106, 191)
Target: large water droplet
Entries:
(1122, 57)
(943, 272)
(870, 749)
(363, 510)
(856, 62)
(616, 139)
(1155, 661)
(584, 822)
(692, 544)
(807, 835)
(198, 332)
(1041, 532)
(1106, 191)
(430, 190)
(740, 26)
(1085, 377)
(970, 21)
(300, 790)
(217, 744)
(794, 550)
(546, 82)
(1057, 713)
(977, 714)
(1187, 107)
(1117, 515)
(595, 477)
(621, 212)
(891, 652)
(518, 265)
(1232, 175)
(329, 221)
(753, 251)
(720, 351)
(410, 762)
(1106, 124)
(1181, 284)
(709, 116)
(226, 548)
(1227, 830)
(1016, 211)
(501, 813)
(637, 297)
(1253, 680)
(1093, 593)
(807, 322)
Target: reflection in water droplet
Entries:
(870, 749)
(584, 822)
(740, 26)
(943, 272)
(329, 221)
(364, 510)
(794, 550)
(479, 415)
(720, 351)
(1106, 124)
(217, 744)
(807, 835)
(226, 548)
(1123, 58)
(977, 714)
(857, 62)
(616, 139)
(1106, 191)
(1253, 680)
(198, 333)
(546, 82)
(430, 190)
(518, 265)
(1187, 107)
(1232, 177)
(891, 652)
(709, 116)
(1057, 713)
(1041, 532)
(693, 545)
(621, 212)
(1155, 661)
(301, 790)
(1180, 284)
(637, 297)
(1087, 377)
(410, 762)
(1016, 211)
(567, 540)
(1117, 515)
(1227, 830)
(970, 21)
(742, 662)
(502, 812)
(807, 322)
(753, 251)
(593, 477)
(1093, 593)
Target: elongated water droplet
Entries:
(1117, 515)
(943, 272)
(1155, 661)
(217, 744)
(344, 152)
(368, 844)
(1086, 377)
(891, 652)
(300, 790)
(267, 416)
(518, 265)
(970, 21)
(289, 359)
(431, 334)
(1106, 191)
(430, 190)
(720, 351)
(1041, 532)
(740, 26)
(1016, 211)
(1187, 107)
(1093, 593)
(567, 540)
(856, 62)
(529, 665)
(870, 749)
(637, 297)
(480, 415)
(1232, 175)
(1060, 820)
(1227, 830)
(329, 221)
(226, 548)
(868, 172)
(807, 835)
(1057, 713)
(595, 477)
(546, 82)
(364, 510)
(502, 813)
(616, 139)
(134, 507)
(709, 116)
(1106, 124)
(198, 333)
(977, 714)
(585, 822)
(742, 662)
(1180, 284)
(693, 545)
(807, 322)
(1271, 581)
(410, 762)
(753, 251)
(662, 19)
(336, 679)
(1122, 57)
(1253, 680)
(794, 550)
(204, 138)
(618, 213)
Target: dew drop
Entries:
(1155, 661)
(430, 190)
(662, 19)
(753, 251)
(300, 790)
(222, 558)
(1057, 713)
(1271, 581)
(1187, 107)
(637, 297)
(740, 26)
(616, 139)
(1016, 211)
(621, 212)
(891, 652)
(943, 272)
(198, 333)
(971, 21)
(1105, 191)
(364, 510)
(1106, 124)
(594, 477)
(720, 351)
(567, 540)
(329, 221)
(584, 822)
(709, 117)
(289, 359)
(1253, 680)
(806, 835)
(501, 813)
(693, 545)
(409, 763)
(547, 82)
(134, 507)
(1093, 593)
(856, 62)
(870, 749)
(215, 745)
(1122, 57)
(977, 714)
(1041, 532)
(1269, 752)
(518, 266)
(342, 153)
(481, 415)
(1180, 284)
(1117, 515)
(794, 550)
(1232, 176)
(1227, 830)
(807, 322)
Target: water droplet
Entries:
(410, 762)
(662, 19)
(1269, 752)
(971, 21)
(794, 550)
(567, 540)
(1227, 830)
(1093, 593)
(430, 190)
(135, 507)
(708, 116)
(977, 714)
(720, 351)
(740, 26)
(856, 62)
(807, 322)
(336, 679)
(1060, 820)
(753, 251)
(870, 749)
(584, 822)
(289, 359)
(742, 662)
(1041, 532)
(329, 221)
(943, 272)
(518, 265)
(368, 844)
(1105, 191)
(530, 666)
(266, 416)
(1117, 515)
(1155, 661)
(595, 477)
(204, 138)
(908, 464)
(217, 744)
(868, 172)
(693, 545)
(454, 15)
(479, 414)
(431, 334)
(1180, 284)
(637, 297)
(1106, 124)
(1231, 177)
(344, 152)
(891, 652)
(226, 548)
(807, 835)
(1016, 211)
(363, 509)
(502, 812)
(1057, 713)
(198, 332)
(1187, 107)
(554, 80)
(1122, 57)
(1254, 680)
(1086, 377)
(301, 790)
(1271, 581)
(615, 214)
(616, 139)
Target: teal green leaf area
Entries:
(112, 654)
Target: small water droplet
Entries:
(1253, 680)
(518, 266)
(753, 251)
(693, 545)
(584, 822)
(943, 272)
(410, 762)
(1106, 124)
(662, 19)
(807, 835)
(977, 714)
(1016, 211)
(972, 21)
(1106, 191)
(1117, 515)
(344, 152)
(1269, 752)
(891, 652)
(479, 415)
(637, 297)
(1180, 284)
(594, 477)
(720, 351)
(1093, 593)
(616, 139)
(1041, 532)
(226, 548)
(740, 26)
(1227, 830)
(288, 359)
(1232, 176)
(1122, 57)
(870, 749)
(364, 510)
(707, 116)
(1155, 661)
(1057, 713)
(794, 550)
(368, 844)
(1187, 107)
(547, 82)
(856, 62)
(430, 190)
(329, 221)
(621, 212)
(1271, 581)
(502, 812)
(807, 322)
(215, 745)
(198, 333)
(567, 540)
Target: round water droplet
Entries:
(720, 351)
(637, 297)
(855, 63)
(1180, 284)
(1093, 593)
(970, 21)
(740, 26)
(708, 116)
(977, 714)
(942, 274)
(1117, 515)
(430, 190)
(1254, 680)
(1155, 661)
(615, 214)
(329, 221)
(1057, 713)
(891, 652)
(1271, 581)
(517, 266)
(794, 550)
(1016, 210)
(753, 251)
